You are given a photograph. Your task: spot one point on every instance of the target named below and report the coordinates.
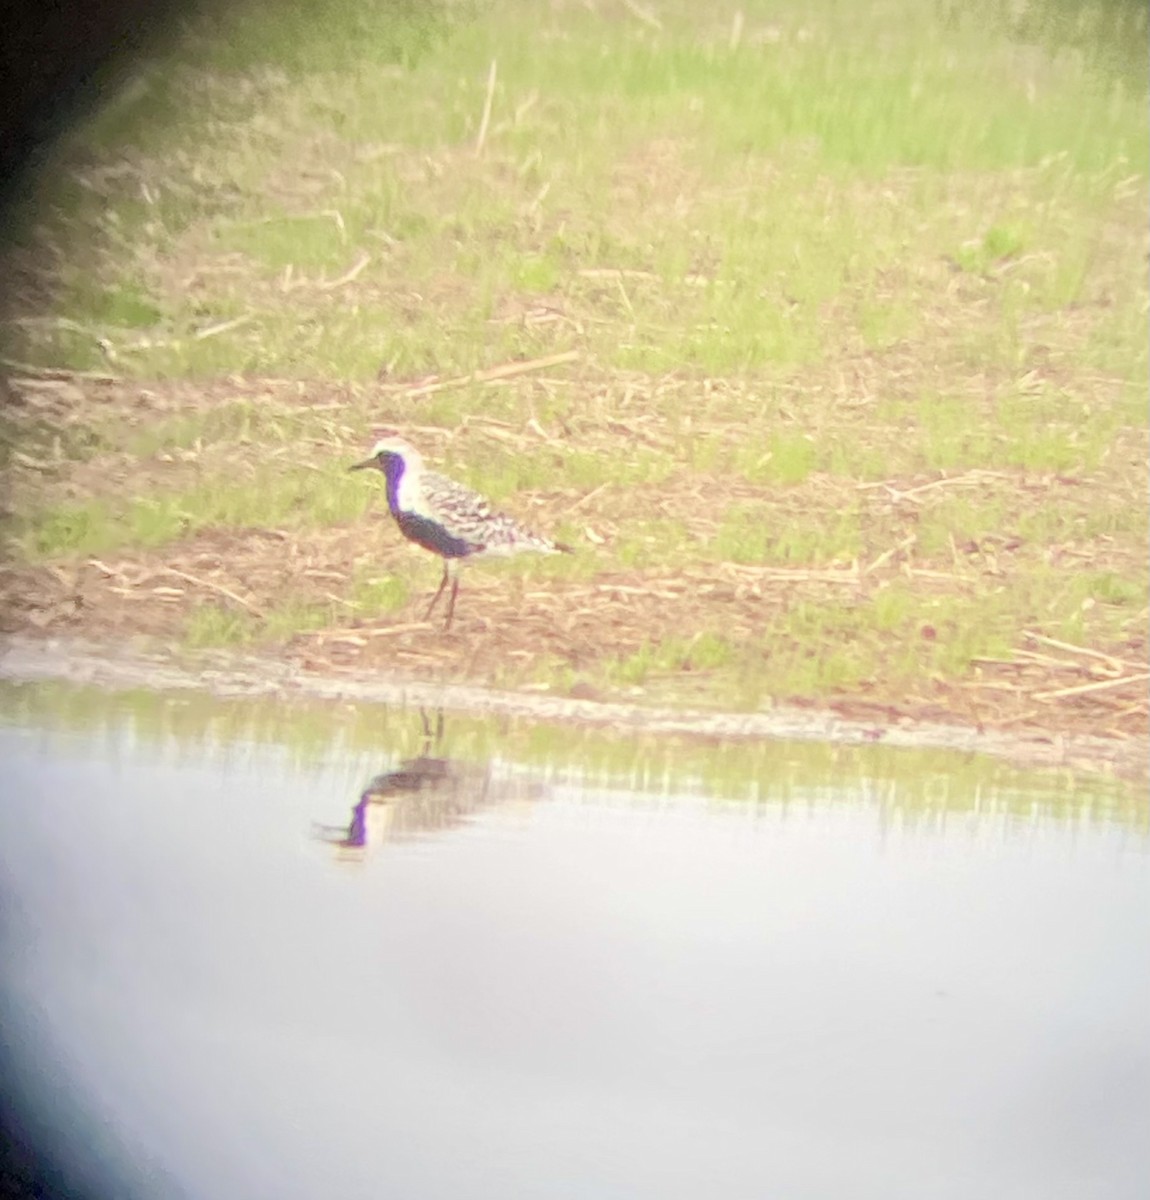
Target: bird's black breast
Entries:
(432, 536)
(392, 466)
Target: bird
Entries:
(447, 518)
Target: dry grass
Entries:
(910, 622)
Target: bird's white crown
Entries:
(397, 445)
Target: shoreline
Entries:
(113, 668)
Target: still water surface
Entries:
(533, 965)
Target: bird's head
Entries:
(391, 455)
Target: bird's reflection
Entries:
(428, 794)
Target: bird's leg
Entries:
(451, 600)
(438, 593)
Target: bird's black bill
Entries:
(363, 466)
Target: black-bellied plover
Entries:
(447, 518)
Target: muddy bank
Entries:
(120, 667)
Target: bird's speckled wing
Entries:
(466, 515)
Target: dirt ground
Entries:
(517, 631)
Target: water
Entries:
(547, 963)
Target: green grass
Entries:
(271, 495)
(790, 459)
(212, 625)
(754, 534)
(224, 625)
(235, 422)
(704, 652)
(796, 266)
(70, 529)
(895, 634)
(801, 170)
(375, 594)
